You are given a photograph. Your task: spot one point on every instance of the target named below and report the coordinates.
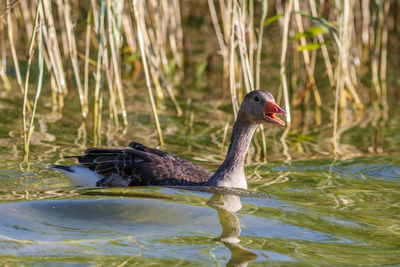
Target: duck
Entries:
(139, 165)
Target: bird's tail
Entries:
(63, 168)
(79, 175)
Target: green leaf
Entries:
(318, 29)
(312, 32)
(311, 46)
(272, 19)
(201, 68)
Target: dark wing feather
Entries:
(141, 165)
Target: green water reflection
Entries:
(311, 210)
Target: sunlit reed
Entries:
(152, 30)
(140, 26)
(12, 46)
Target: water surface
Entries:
(310, 210)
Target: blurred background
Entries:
(106, 68)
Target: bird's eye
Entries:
(256, 99)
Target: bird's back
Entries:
(139, 165)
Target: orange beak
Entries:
(271, 109)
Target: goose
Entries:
(139, 165)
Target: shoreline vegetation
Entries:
(92, 47)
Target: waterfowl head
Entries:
(260, 107)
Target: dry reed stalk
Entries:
(97, 107)
(177, 24)
(72, 53)
(344, 57)
(214, 19)
(306, 56)
(343, 44)
(286, 23)
(172, 32)
(383, 69)
(258, 67)
(296, 72)
(173, 35)
(279, 10)
(156, 32)
(224, 48)
(324, 49)
(128, 31)
(154, 41)
(53, 42)
(232, 76)
(175, 38)
(64, 11)
(259, 42)
(3, 66)
(164, 34)
(113, 111)
(113, 38)
(249, 30)
(226, 18)
(346, 47)
(9, 6)
(358, 27)
(140, 25)
(375, 57)
(160, 32)
(96, 18)
(26, 15)
(12, 47)
(239, 28)
(52, 61)
(26, 106)
(39, 87)
(366, 20)
(87, 55)
(156, 82)
(339, 86)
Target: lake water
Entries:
(310, 210)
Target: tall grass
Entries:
(350, 37)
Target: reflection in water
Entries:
(227, 206)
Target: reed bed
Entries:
(345, 39)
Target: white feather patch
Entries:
(82, 176)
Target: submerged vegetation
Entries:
(333, 58)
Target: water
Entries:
(311, 210)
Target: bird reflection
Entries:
(227, 206)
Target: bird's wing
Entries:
(141, 165)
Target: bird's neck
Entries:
(231, 171)
(242, 134)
